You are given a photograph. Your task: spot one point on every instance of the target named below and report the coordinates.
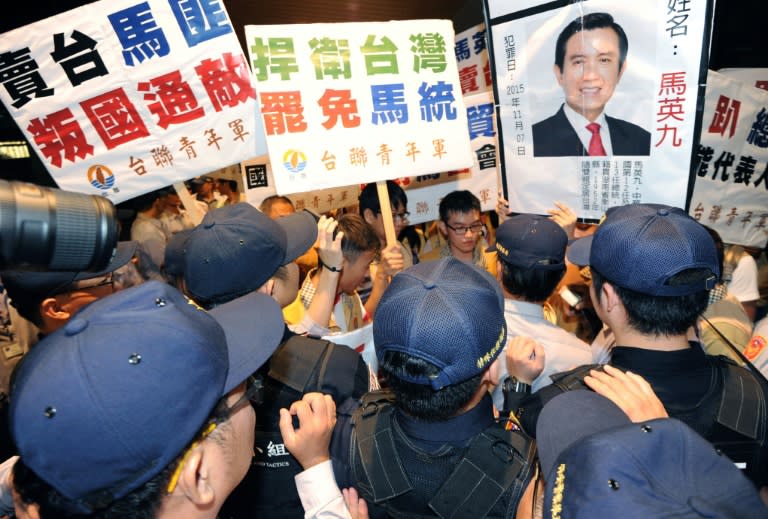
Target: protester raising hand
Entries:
(328, 245)
(331, 263)
(564, 216)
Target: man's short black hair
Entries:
(532, 285)
(142, 503)
(268, 202)
(587, 23)
(147, 200)
(359, 236)
(421, 401)
(29, 308)
(231, 183)
(661, 315)
(458, 202)
(369, 197)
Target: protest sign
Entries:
(424, 192)
(756, 77)
(260, 184)
(473, 61)
(360, 340)
(353, 103)
(118, 98)
(643, 96)
(730, 193)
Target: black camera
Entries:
(45, 228)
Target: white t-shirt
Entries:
(743, 282)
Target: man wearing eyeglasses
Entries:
(49, 299)
(463, 229)
(392, 258)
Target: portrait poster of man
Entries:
(590, 61)
(596, 100)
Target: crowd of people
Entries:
(197, 376)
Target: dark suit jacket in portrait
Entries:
(555, 137)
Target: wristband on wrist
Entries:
(512, 385)
(328, 267)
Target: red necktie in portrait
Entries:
(595, 143)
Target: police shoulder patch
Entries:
(754, 347)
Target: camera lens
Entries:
(49, 229)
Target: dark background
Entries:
(738, 37)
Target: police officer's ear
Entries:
(609, 299)
(52, 314)
(195, 479)
(268, 287)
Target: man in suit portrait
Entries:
(590, 58)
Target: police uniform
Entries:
(300, 365)
(643, 248)
(428, 469)
(723, 402)
(756, 351)
(450, 315)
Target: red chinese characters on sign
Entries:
(226, 80)
(282, 112)
(114, 118)
(747, 219)
(726, 116)
(468, 79)
(59, 136)
(172, 99)
(338, 105)
(670, 107)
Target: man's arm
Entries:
(564, 216)
(330, 260)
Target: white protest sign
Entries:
(360, 340)
(644, 100)
(482, 179)
(118, 98)
(353, 103)
(756, 77)
(731, 189)
(473, 61)
(260, 184)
